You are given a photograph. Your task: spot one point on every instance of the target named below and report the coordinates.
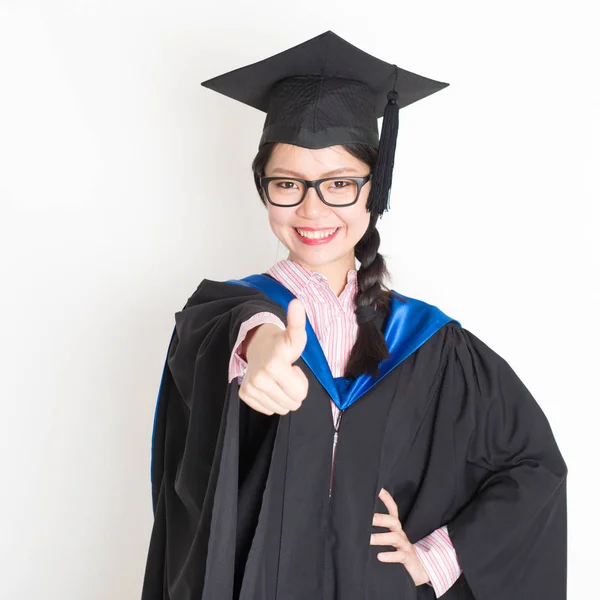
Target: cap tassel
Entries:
(379, 199)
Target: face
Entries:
(350, 222)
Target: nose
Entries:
(312, 207)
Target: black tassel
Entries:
(379, 198)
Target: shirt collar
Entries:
(298, 279)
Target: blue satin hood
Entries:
(410, 324)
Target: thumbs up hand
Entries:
(273, 384)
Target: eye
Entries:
(340, 185)
(343, 184)
(286, 185)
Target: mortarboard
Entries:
(325, 92)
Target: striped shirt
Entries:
(334, 322)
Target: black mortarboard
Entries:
(325, 92)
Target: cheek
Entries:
(356, 223)
(278, 219)
(356, 217)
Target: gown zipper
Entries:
(335, 440)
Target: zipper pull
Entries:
(337, 421)
(335, 439)
(337, 428)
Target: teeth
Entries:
(316, 235)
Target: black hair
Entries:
(370, 347)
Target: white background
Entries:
(124, 183)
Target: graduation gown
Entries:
(249, 506)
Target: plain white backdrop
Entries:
(124, 183)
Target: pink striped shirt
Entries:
(334, 322)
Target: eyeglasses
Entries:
(333, 191)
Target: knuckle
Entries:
(260, 378)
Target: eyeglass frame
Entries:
(315, 183)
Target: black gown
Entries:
(246, 506)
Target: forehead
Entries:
(311, 161)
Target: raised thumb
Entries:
(296, 328)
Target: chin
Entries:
(315, 259)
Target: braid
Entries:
(370, 347)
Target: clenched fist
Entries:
(272, 384)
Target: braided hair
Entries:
(373, 298)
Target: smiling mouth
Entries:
(320, 234)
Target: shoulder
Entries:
(214, 299)
(416, 307)
(452, 344)
(219, 295)
(209, 290)
(474, 371)
(451, 329)
(427, 320)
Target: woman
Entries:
(438, 473)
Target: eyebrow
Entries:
(328, 174)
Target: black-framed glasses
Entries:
(333, 191)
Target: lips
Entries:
(316, 241)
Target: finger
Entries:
(397, 557)
(266, 405)
(292, 381)
(268, 393)
(296, 316)
(295, 332)
(254, 404)
(269, 380)
(392, 538)
(389, 502)
(382, 520)
(300, 373)
(257, 399)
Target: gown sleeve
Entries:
(509, 528)
(188, 434)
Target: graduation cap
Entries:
(326, 92)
